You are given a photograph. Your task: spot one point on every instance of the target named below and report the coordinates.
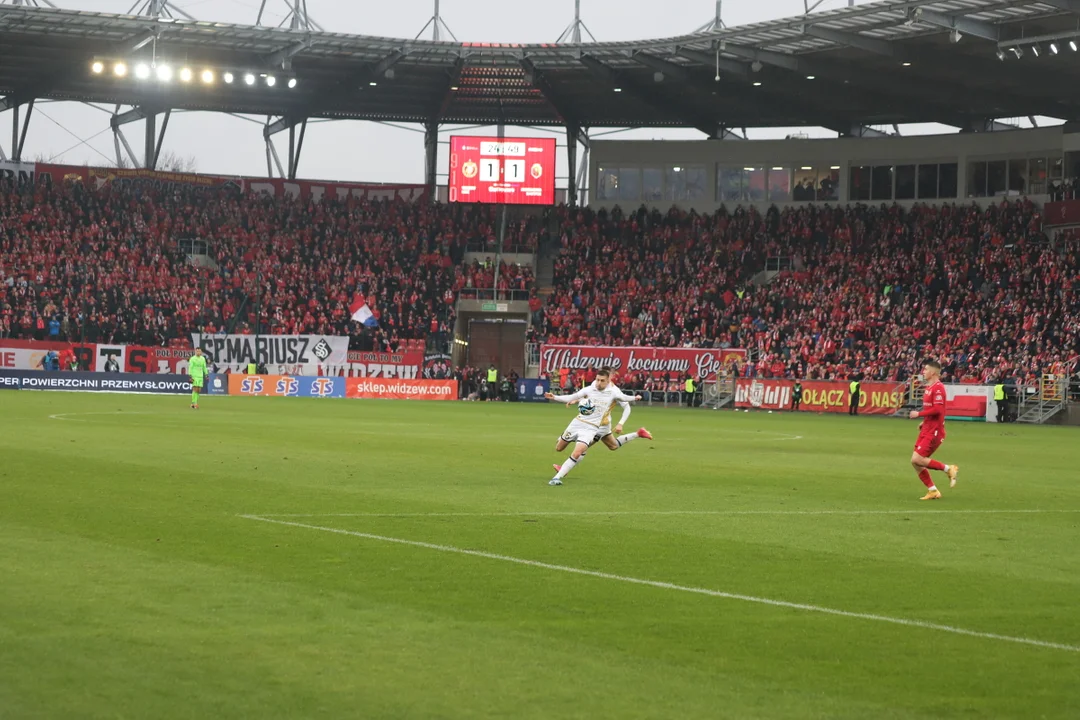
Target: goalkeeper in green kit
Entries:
(197, 373)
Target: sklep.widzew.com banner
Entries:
(295, 354)
(877, 398)
(380, 389)
(701, 363)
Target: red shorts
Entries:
(928, 443)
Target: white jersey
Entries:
(595, 404)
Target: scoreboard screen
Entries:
(504, 171)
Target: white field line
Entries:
(69, 416)
(646, 513)
(680, 588)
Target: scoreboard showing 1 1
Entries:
(505, 171)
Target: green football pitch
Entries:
(352, 559)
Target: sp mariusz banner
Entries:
(701, 363)
(818, 396)
(274, 351)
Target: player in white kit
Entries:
(593, 422)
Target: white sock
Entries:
(933, 488)
(946, 468)
(623, 439)
(566, 467)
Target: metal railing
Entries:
(489, 294)
(493, 248)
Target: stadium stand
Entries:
(869, 290)
(872, 290)
(105, 266)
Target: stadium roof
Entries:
(881, 63)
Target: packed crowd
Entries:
(873, 290)
(105, 266)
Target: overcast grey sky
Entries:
(374, 152)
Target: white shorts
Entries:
(581, 431)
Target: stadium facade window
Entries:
(1072, 164)
(905, 182)
(828, 188)
(607, 183)
(652, 185)
(928, 182)
(780, 185)
(1036, 176)
(1057, 167)
(696, 182)
(996, 173)
(804, 183)
(630, 184)
(948, 175)
(685, 183)
(1017, 178)
(731, 184)
(859, 185)
(755, 184)
(881, 182)
(976, 179)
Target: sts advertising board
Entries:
(504, 171)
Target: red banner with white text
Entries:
(401, 365)
(701, 363)
(94, 357)
(1066, 212)
(818, 396)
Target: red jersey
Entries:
(933, 412)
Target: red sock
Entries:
(925, 477)
(935, 465)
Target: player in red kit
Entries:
(931, 432)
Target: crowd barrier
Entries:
(314, 355)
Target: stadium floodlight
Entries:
(373, 83)
(757, 84)
(249, 79)
(1053, 48)
(905, 64)
(98, 67)
(293, 83)
(810, 77)
(228, 78)
(1035, 50)
(618, 89)
(271, 81)
(186, 75)
(120, 69)
(142, 71)
(1001, 55)
(164, 73)
(208, 77)
(1072, 45)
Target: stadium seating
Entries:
(859, 289)
(871, 290)
(106, 266)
